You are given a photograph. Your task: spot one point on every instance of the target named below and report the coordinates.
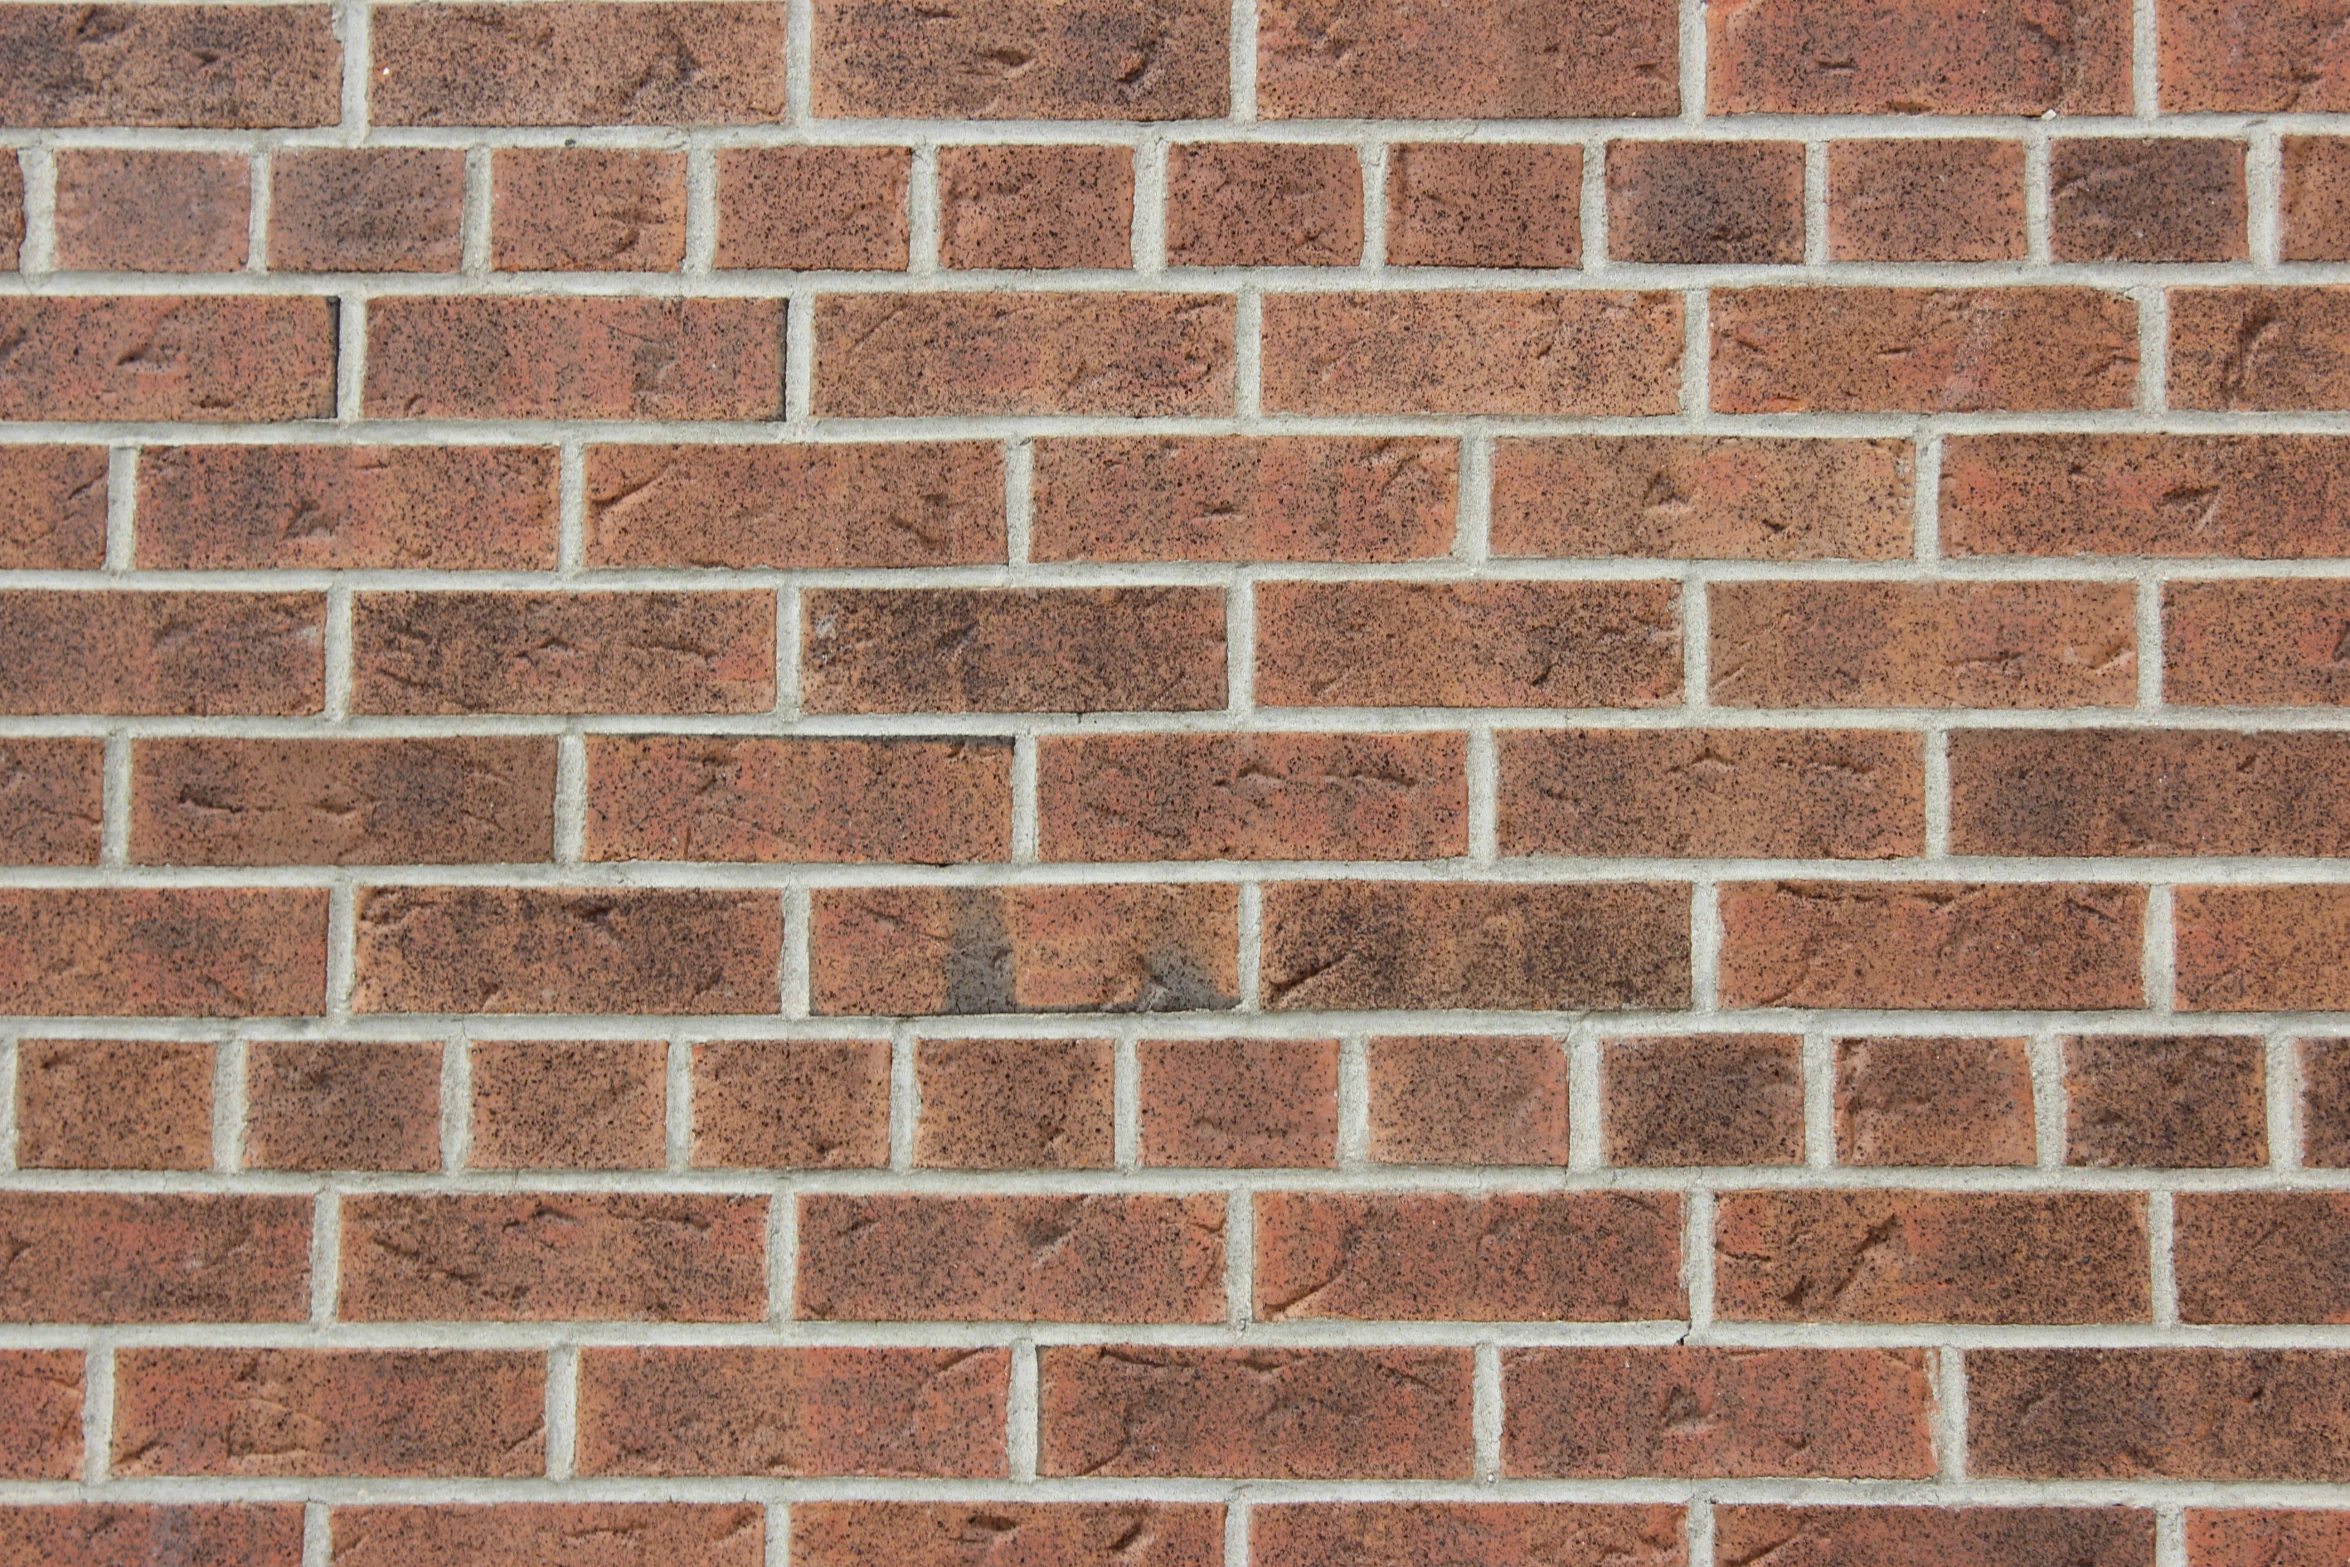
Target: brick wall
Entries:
(1175, 783)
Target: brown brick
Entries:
(2262, 949)
(798, 1104)
(102, 1104)
(1035, 207)
(810, 209)
(586, 209)
(1276, 1414)
(1971, 946)
(909, 355)
(2313, 220)
(432, 508)
(366, 209)
(1939, 200)
(534, 949)
(950, 1534)
(1485, 60)
(1701, 203)
(579, 64)
(218, 358)
(1022, 60)
(342, 802)
(1933, 1102)
(577, 1534)
(162, 653)
(1263, 204)
(564, 652)
(1467, 1099)
(1918, 57)
(163, 951)
(2191, 1103)
(1946, 1536)
(303, 1412)
(1716, 1413)
(1698, 497)
(1323, 498)
(569, 1104)
(11, 215)
(1239, 1104)
(342, 1106)
(2262, 1257)
(2146, 199)
(52, 505)
(1924, 644)
(50, 812)
(1575, 352)
(126, 211)
(2241, 348)
(112, 1257)
(2254, 644)
(509, 358)
(1703, 1099)
(1468, 1534)
(2325, 1103)
(2220, 55)
(1922, 350)
(775, 1411)
(2207, 1414)
(913, 503)
(1009, 1104)
(2266, 1538)
(40, 1421)
(200, 65)
(233, 1534)
(1042, 1258)
(1469, 204)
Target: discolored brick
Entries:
(1703, 1099)
(2250, 348)
(912, 355)
(1918, 57)
(225, 66)
(1263, 204)
(223, 359)
(51, 812)
(568, 1104)
(583, 63)
(951, 1534)
(2191, 1414)
(575, 1534)
(1008, 1104)
(1471, 1534)
(229, 1534)
(2266, 1538)
(2147, 792)
(1022, 59)
(2313, 218)
(1934, 1102)
(2249, 643)
(1035, 207)
(1939, 200)
(1486, 60)
(138, 1257)
(98, 1104)
(40, 1422)
(1705, 203)
(582, 209)
(1467, 1099)
(813, 209)
(1843, 1536)
(2146, 199)
(2262, 1257)
(52, 505)
(2180, 1102)
(798, 1104)
(2262, 949)
(163, 951)
(342, 1105)
(162, 653)
(1239, 1104)
(139, 211)
(1461, 204)
(366, 209)
(2221, 55)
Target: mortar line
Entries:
(1354, 1101)
(677, 1121)
(476, 227)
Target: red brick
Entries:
(2262, 1257)
(11, 215)
(2201, 1414)
(1468, 1534)
(1007, 1104)
(577, 1534)
(2266, 1538)
(305, 1412)
(1703, 1099)
(1940, 200)
(2146, 199)
(2278, 348)
(52, 506)
(1575, 352)
(218, 358)
(569, 1104)
(1485, 60)
(1022, 60)
(1705, 203)
(40, 1422)
(1471, 204)
(2313, 219)
(1035, 207)
(125, 211)
(837, 209)
(235, 1534)
(49, 801)
(108, 1257)
(2194, 1103)
(1239, 1104)
(366, 209)
(1274, 1414)
(1064, 1534)
(2147, 792)
(162, 653)
(200, 65)
(1323, 498)
(1933, 1102)
(1716, 1413)
(101, 1104)
(774, 1411)
(1947, 1536)
(579, 64)
(2220, 55)
(161, 951)
(2325, 1102)
(433, 508)
(799, 1104)
(2262, 949)
(1263, 204)
(509, 358)
(2254, 644)
(586, 209)
(342, 1106)
(909, 355)
(1467, 1099)
(1918, 57)
(1043, 1258)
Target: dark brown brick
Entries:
(1467, 1099)
(1464, 204)
(585, 209)
(229, 66)
(366, 209)
(2283, 348)
(1487, 60)
(813, 208)
(162, 653)
(138, 211)
(50, 811)
(1700, 203)
(2146, 199)
(2262, 949)
(1022, 60)
(577, 1534)
(2262, 1257)
(2313, 219)
(552, 1104)
(2193, 1414)
(1035, 207)
(230, 1534)
(911, 355)
(2194, 1102)
(163, 951)
(1946, 1536)
(799, 1104)
(114, 1257)
(1239, 1104)
(1940, 200)
(1469, 1534)
(579, 64)
(102, 1104)
(1703, 1099)
(1918, 57)
(1263, 204)
(342, 1106)
(222, 359)
(1933, 1102)
(40, 1425)
(1009, 1104)
(2325, 1102)
(951, 1534)
(2147, 792)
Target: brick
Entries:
(1239, 1104)
(579, 64)
(2221, 55)
(981, 650)
(312, 1412)
(2262, 1257)
(1487, 60)
(1922, 350)
(577, 1534)
(1460, 204)
(136, 211)
(1703, 1099)
(2262, 949)
(235, 1534)
(584, 209)
(912, 355)
(366, 209)
(2313, 218)
(252, 508)
(1263, 204)
(11, 216)
(1924, 644)
(774, 1411)
(227, 66)
(1705, 203)
(50, 813)
(40, 1422)
(2146, 199)
(342, 802)
(1009, 1104)
(2146, 792)
(162, 653)
(1947, 1536)
(101, 1104)
(717, 797)
(1275, 1414)
(52, 506)
(811, 209)
(554, 1257)
(949, 1534)
(2192, 1103)
(2254, 644)
(1321, 498)
(1742, 793)
(2325, 1102)
(218, 358)
(2203, 1414)
(342, 1106)
(1933, 1102)
(1972, 946)
(1042, 1258)
(1035, 207)
(1454, 1257)
(1467, 1099)
(116, 1257)
(569, 1104)
(1349, 945)
(163, 951)
(799, 1104)
(912, 503)
(1572, 352)
(1022, 60)
(1716, 1413)
(485, 652)
(2267, 1538)
(511, 358)
(1940, 200)
(1700, 497)
(2279, 348)
(1471, 1534)
(1918, 57)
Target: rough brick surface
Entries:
(89, 1104)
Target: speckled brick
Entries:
(1490, 59)
(568, 1104)
(810, 209)
(567, 1534)
(246, 1534)
(1474, 205)
(2195, 1102)
(776, 1104)
(40, 1419)
(1934, 1102)
(1009, 1104)
(96, 1104)
(1239, 1104)
(1702, 1099)
(346, 1105)
(1848, 1536)
(2254, 949)
(1022, 59)
(2189, 1414)
(1467, 1099)
(225, 66)
(586, 210)
(1918, 57)
(580, 63)
(151, 211)
(371, 209)
(2261, 1257)
(2260, 348)
(1941, 200)
(1023, 208)
(107, 1257)
(1263, 204)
